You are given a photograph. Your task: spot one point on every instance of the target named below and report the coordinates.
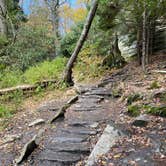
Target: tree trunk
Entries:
(3, 26)
(144, 40)
(147, 41)
(139, 42)
(68, 71)
(152, 35)
(53, 6)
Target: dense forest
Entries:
(59, 44)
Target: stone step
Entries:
(100, 92)
(61, 157)
(48, 163)
(68, 137)
(80, 130)
(70, 147)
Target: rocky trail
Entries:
(95, 129)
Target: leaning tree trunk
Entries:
(3, 26)
(67, 78)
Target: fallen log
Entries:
(26, 88)
(159, 71)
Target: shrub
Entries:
(33, 45)
(68, 43)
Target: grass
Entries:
(134, 110)
(133, 97)
(5, 111)
(46, 70)
(154, 85)
(156, 110)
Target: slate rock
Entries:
(27, 150)
(70, 147)
(141, 121)
(73, 100)
(71, 139)
(36, 122)
(94, 125)
(163, 148)
(11, 138)
(105, 142)
(62, 157)
(80, 130)
(100, 92)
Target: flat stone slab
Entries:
(47, 163)
(106, 141)
(62, 157)
(70, 138)
(51, 106)
(90, 99)
(86, 107)
(80, 130)
(70, 147)
(36, 122)
(100, 92)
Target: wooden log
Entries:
(27, 88)
(159, 71)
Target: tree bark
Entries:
(67, 78)
(147, 41)
(3, 26)
(152, 35)
(139, 42)
(144, 40)
(53, 6)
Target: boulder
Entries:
(141, 121)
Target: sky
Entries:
(26, 5)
